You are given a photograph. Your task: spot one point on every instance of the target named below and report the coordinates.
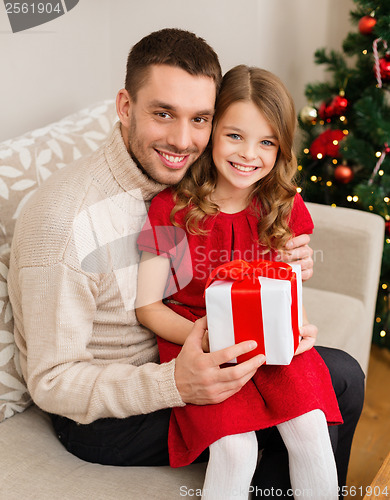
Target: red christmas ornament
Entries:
(384, 67)
(343, 174)
(366, 25)
(387, 228)
(325, 111)
(327, 144)
(336, 107)
(339, 105)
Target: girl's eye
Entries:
(236, 137)
(267, 143)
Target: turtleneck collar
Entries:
(124, 169)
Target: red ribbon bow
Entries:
(238, 270)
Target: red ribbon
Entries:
(246, 298)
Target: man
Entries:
(73, 276)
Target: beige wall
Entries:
(79, 58)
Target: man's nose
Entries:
(180, 136)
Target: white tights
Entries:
(313, 472)
(311, 460)
(231, 466)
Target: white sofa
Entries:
(340, 299)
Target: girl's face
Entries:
(245, 148)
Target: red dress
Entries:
(276, 393)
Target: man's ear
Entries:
(123, 107)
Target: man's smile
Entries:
(172, 160)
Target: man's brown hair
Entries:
(173, 47)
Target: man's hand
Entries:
(309, 334)
(199, 378)
(297, 251)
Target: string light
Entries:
(378, 154)
(364, 52)
(349, 198)
(300, 167)
(306, 151)
(381, 172)
(378, 320)
(342, 118)
(334, 161)
(383, 334)
(299, 189)
(329, 183)
(313, 178)
(384, 286)
(355, 198)
(319, 156)
(335, 142)
(386, 199)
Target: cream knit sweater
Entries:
(72, 284)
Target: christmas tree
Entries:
(345, 157)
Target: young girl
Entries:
(238, 201)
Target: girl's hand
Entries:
(205, 342)
(309, 335)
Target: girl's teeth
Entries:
(242, 168)
(172, 159)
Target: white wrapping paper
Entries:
(276, 312)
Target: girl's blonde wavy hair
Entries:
(277, 189)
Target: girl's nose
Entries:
(248, 153)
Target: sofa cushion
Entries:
(39, 467)
(27, 161)
(338, 318)
(14, 397)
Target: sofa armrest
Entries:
(348, 247)
(340, 298)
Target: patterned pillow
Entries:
(27, 161)
(14, 397)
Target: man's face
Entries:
(170, 122)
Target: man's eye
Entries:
(236, 137)
(200, 119)
(163, 114)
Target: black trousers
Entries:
(142, 439)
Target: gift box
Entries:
(259, 301)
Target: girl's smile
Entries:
(243, 168)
